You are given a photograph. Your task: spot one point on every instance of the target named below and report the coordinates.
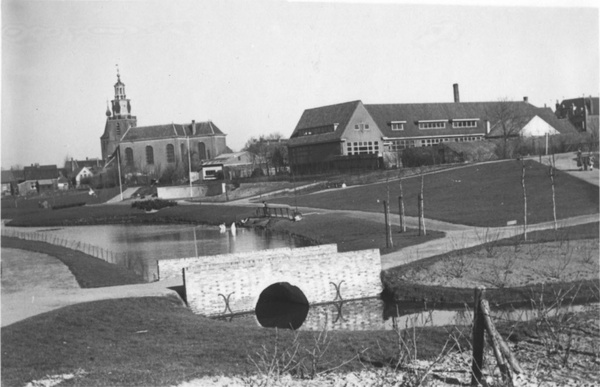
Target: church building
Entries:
(152, 149)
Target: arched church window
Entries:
(149, 155)
(201, 151)
(170, 153)
(182, 152)
(128, 156)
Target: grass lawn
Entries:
(351, 233)
(487, 195)
(118, 213)
(158, 342)
(89, 272)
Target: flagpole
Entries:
(119, 168)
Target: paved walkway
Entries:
(26, 292)
(35, 283)
(126, 195)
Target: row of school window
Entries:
(404, 144)
(170, 153)
(362, 147)
(438, 125)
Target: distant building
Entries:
(355, 135)
(9, 183)
(582, 112)
(39, 178)
(150, 149)
(233, 165)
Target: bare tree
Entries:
(507, 118)
(268, 151)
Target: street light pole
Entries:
(189, 165)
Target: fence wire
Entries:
(135, 264)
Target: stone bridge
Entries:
(233, 283)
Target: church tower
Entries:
(118, 120)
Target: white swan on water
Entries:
(222, 228)
(233, 228)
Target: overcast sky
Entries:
(252, 67)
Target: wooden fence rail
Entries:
(482, 322)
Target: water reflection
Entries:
(140, 246)
(375, 314)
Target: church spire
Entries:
(121, 106)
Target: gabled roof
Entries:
(321, 116)
(590, 102)
(72, 165)
(230, 159)
(528, 112)
(40, 172)
(411, 114)
(142, 133)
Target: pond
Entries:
(143, 245)
(375, 314)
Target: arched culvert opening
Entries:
(282, 305)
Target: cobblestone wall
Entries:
(240, 281)
(171, 268)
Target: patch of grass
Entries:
(56, 198)
(89, 272)
(399, 287)
(118, 214)
(486, 195)
(158, 342)
(351, 233)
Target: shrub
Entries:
(417, 157)
(156, 204)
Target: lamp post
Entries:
(189, 165)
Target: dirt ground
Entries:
(513, 266)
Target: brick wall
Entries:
(171, 268)
(242, 280)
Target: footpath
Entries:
(27, 292)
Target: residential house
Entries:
(582, 112)
(9, 183)
(39, 178)
(234, 165)
(357, 135)
(76, 170)
(62, 183)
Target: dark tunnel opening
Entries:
(282, 305)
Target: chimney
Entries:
(525, 99)
(194, 127)
(456, 96)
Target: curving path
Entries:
(34, 283)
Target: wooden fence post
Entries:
(422, 230)
(478, 337)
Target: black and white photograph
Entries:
(338, 193)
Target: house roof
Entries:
(230, 159)
(527, 112)
(411, 114)
(567, 104)
(321, 116)
(74, 166)
(40, 172)
(142, 133)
